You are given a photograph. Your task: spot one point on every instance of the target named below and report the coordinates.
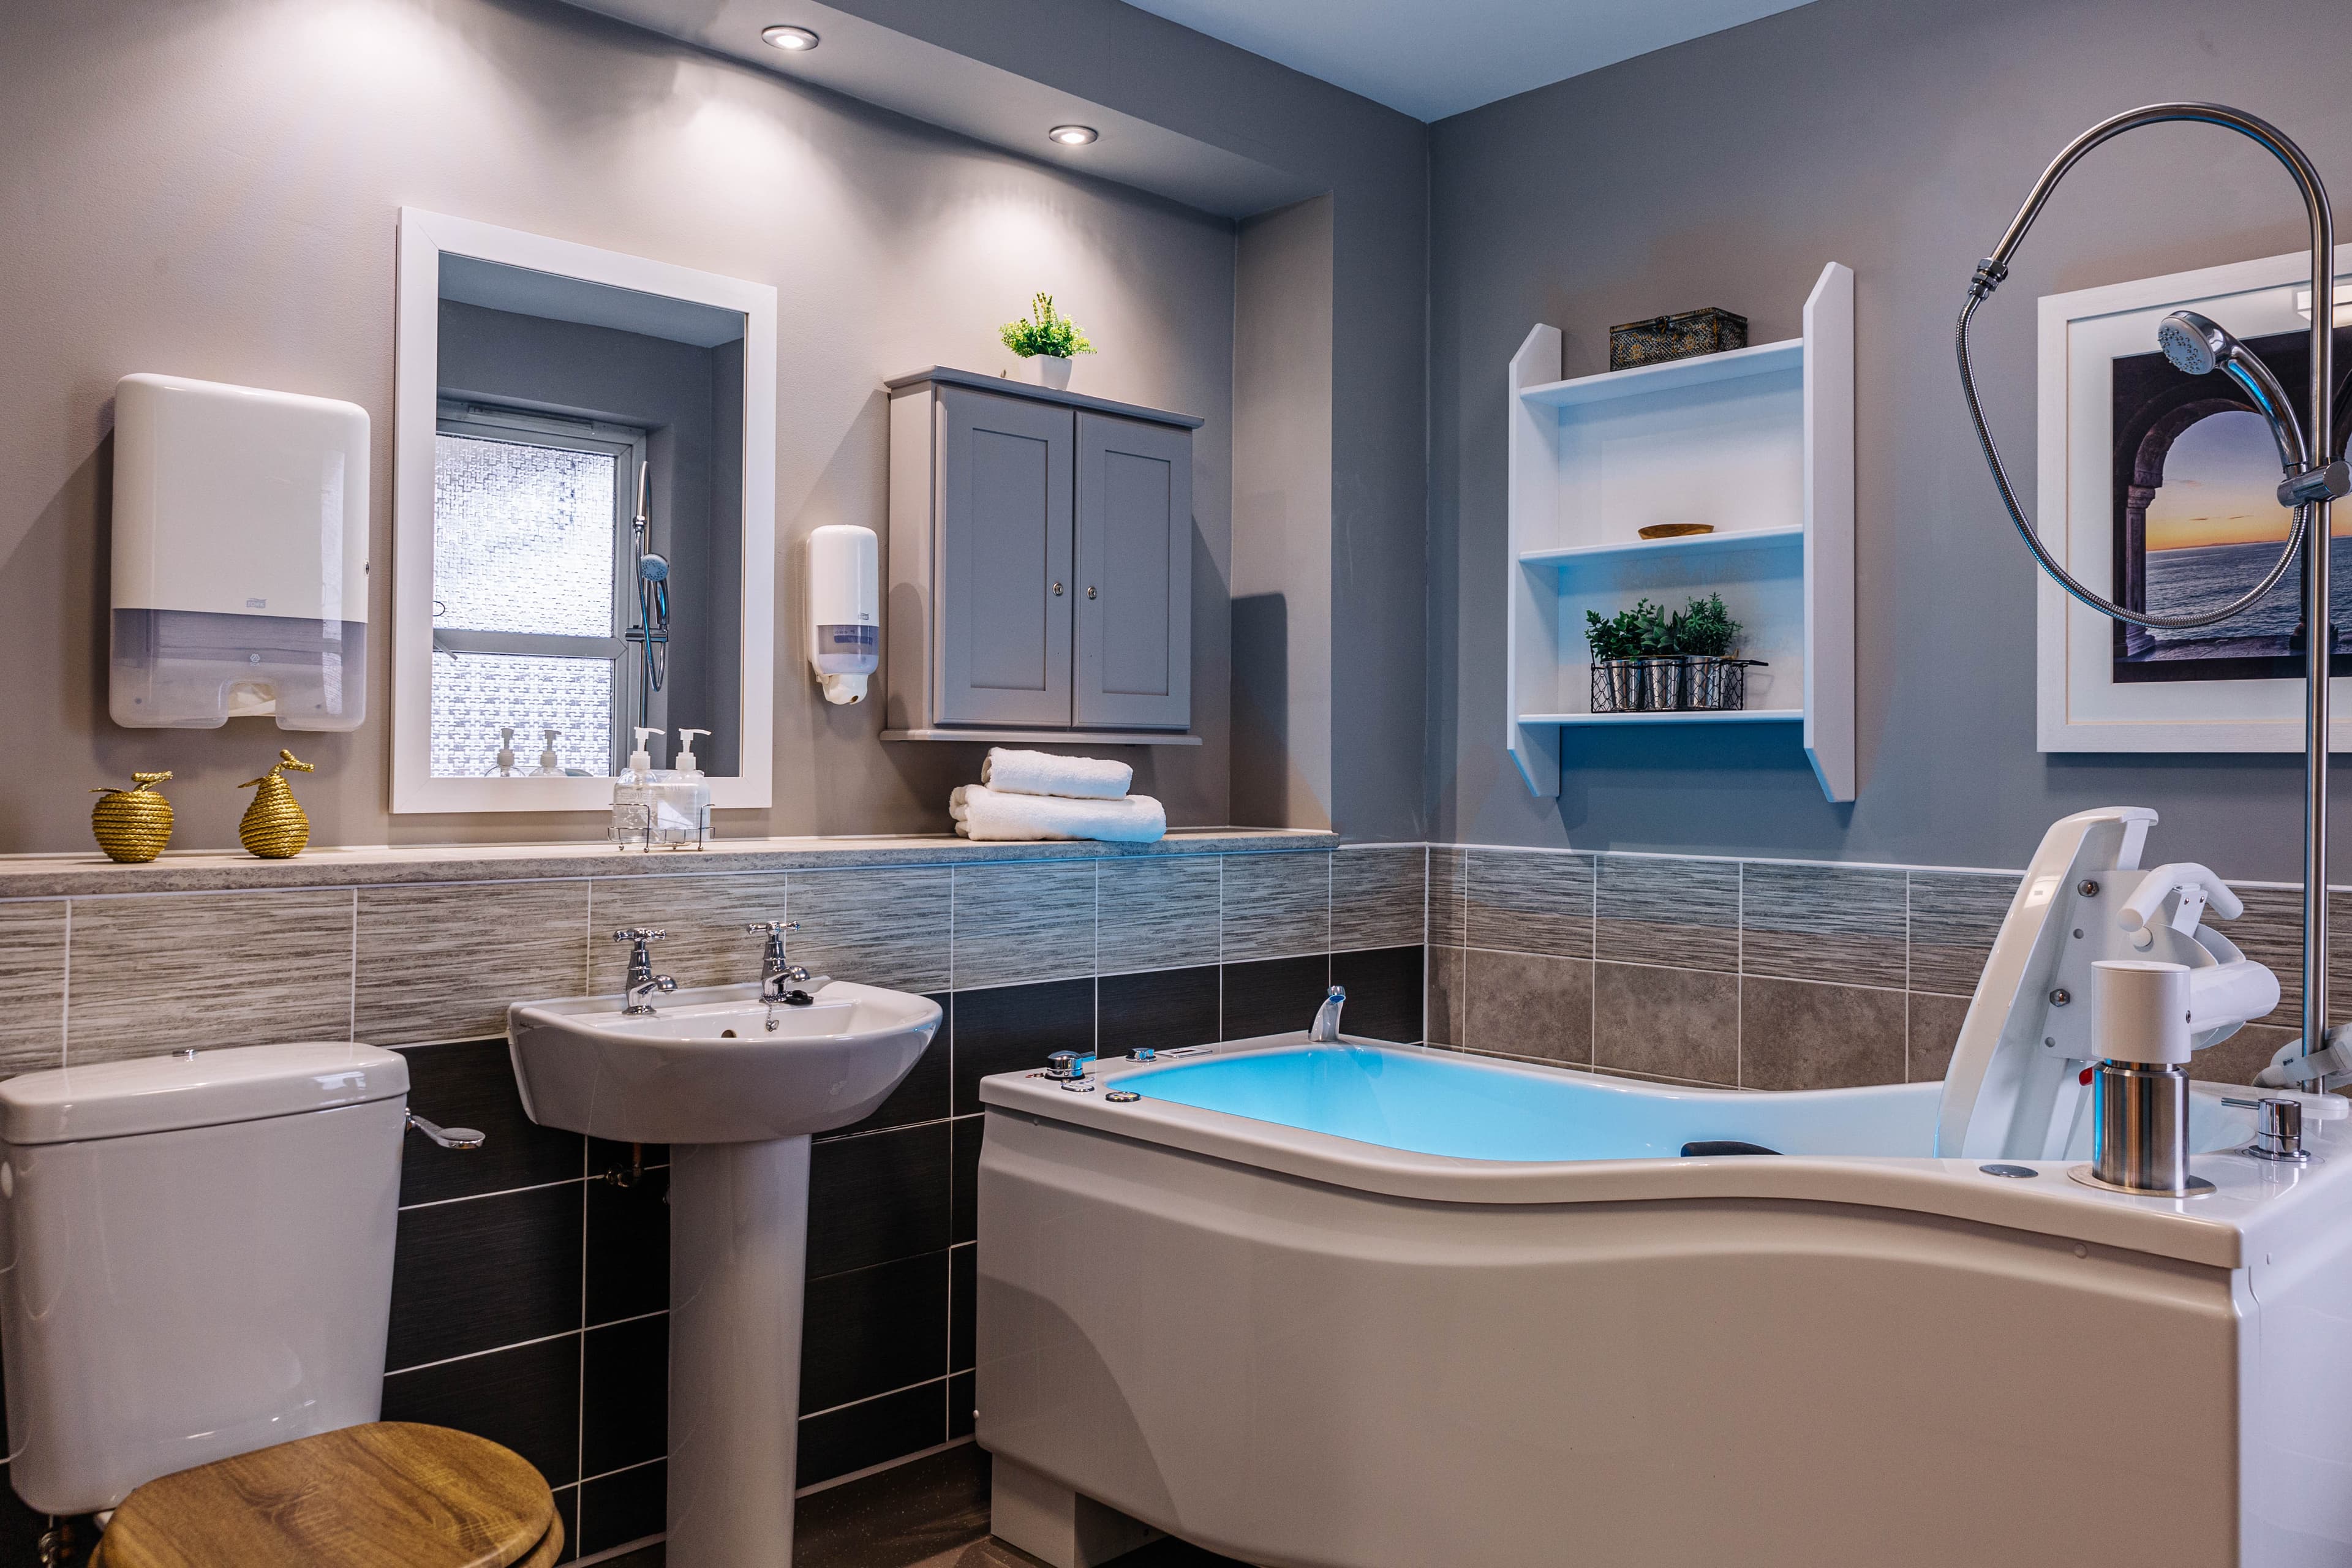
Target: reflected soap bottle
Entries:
(506, 768)
(550, 765)
(632, 797)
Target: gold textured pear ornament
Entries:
(132, 825)
(274, 826)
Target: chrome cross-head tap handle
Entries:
(777, 973)
(643, 982)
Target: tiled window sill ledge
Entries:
(92, 875)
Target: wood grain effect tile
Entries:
(1158, 914)
(1449, 886)
(526, 1398)
(1836, 923)
(2271, 932)
(1530, 1004)
(1377, 896)
(160, 972)
(705, 917)
(855, 1437)
(1955, 916)
(33, 987)
(1676, 1023)
(1678, 914)
(482, 1273)
(624, 1394)
(1276, 906)
(443, 963)
(1933, 1031)
(1015, 925)
(1530, 902)
(1386, 996)
(869, 1331)
(877, 926)
(1797, 1035)
(1447, 991)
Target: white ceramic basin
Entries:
(707, 1068)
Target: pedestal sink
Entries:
(735, 1086)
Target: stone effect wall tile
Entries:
(1276, 906)
(1530, 1004)
(1447, 992)
(1158, 914)
(1680, 914)
(437, 962)
(1796, 1034)
(1024, 923)
(1378, 897)
(33, 985)
(1530, 902)
(1675, 1023)
(1823, 923)
(160, 973)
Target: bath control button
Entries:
(1122, 1097)
(2018, 1172)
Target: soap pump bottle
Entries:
(550, 765)
(633, 796)
(682, 798)
(506, 768)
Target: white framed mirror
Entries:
(584, 536)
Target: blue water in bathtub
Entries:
(1430, 1102)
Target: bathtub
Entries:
(1377, 1307)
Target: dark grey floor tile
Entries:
(624, 1394)
(473, 1085)
(1159, 913)
(877, 1198)
(526, 1398)
(1933, 1030)
(1274, 996)
(899, 1517)
(855, 1437)
(1529, 1005)
(873, 1329)
(1013, 1028)
(1529, 900)
(1377, 896)
(1160, 1008)
(1676, 1023)
(1277, 905)
(1674, 913)
(480, 1273)
(1385, 994)
(628, 1248)
(1794, 1034)
(1838, 923)
(1954, 918)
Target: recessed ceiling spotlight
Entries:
(1073, 135)
(798, 39)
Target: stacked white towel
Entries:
(1090, 801)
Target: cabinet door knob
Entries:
(1090, 590)
(1057, 590)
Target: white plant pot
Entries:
(1053, 370)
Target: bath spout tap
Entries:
(779, 975)
(643, 983)
(1326, 1029)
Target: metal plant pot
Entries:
(1661, 685)
(1717, 684)
(1616, 686)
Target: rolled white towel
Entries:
(1039, 772)
(983, 812)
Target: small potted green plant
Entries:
(1624, 647)
(1707, 637)
(1048, 337)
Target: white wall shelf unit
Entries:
(1758, 442)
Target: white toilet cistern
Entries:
(2153, 1008)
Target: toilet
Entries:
(196, 1287)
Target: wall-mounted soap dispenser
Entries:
(845, 609)
(240, 557)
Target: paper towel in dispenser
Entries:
(240, 557)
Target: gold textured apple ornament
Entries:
(132, 825)
(275, 826)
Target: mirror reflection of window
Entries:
(531, 515)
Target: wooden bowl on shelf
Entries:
(1675, 530)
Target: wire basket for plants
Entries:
(1717, 685)
(1670, 685)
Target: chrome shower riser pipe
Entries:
(2320, 639)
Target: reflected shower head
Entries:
(2194, 345)
(653, 568)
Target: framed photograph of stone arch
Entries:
(2158, 489)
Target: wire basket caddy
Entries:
(1682, 685)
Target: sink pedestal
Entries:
(738, 1246)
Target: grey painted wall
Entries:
(1896, 136)
(211, 190)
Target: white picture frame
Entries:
(2080, 706)
(424, 239)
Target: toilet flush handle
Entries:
(448, 1137)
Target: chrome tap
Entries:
(1326, 1029)
(779, 975)
(643, 982)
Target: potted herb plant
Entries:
(1622, 645)
(1048, 337)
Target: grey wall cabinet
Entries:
(1041, 565)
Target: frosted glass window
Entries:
(476, 693)
(522, 538)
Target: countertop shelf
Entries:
(1052, 737)
(1674, 375)
(1687, 545)
(1708, 716)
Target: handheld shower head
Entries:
(2197, 345)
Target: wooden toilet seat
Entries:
(387, 1495)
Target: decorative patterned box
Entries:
(1662, 338)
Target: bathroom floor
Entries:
(933, 1514)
